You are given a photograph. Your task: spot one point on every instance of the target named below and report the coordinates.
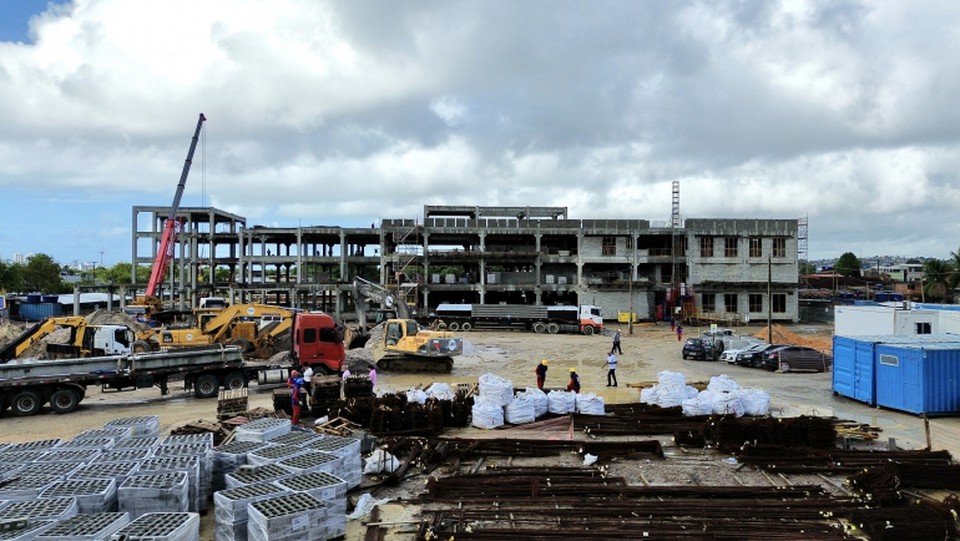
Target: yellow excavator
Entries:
(260, 330)
(85, 340)
(406, 346)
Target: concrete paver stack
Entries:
(228, 458)
(231, 508)
(329, 489)
(27, 533)
(257, 474)
(92, 495)
(292, 517)
(161, 527)
(154, 493)
(190, 465)
(140, 426)
(346, 448)
(262, 429)
(52, 509)
(273, 453)
(202, 452)
(117, 471)
(89, 527)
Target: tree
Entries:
(806, 267)
(11, 276)
(42, 274)
(937, 274)
(848, 265)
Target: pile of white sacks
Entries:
(497, 403)
(723, 396)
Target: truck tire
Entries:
(234, 381)
(244, 344)
(466, 327)
(206, 386)
(553, 328)
(65, 400)
(454, 326)
(588, 330)
(539, 327)
(25, 403)
(141, 346)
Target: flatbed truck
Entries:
(582, 319)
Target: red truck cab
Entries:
(317, 342)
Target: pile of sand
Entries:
(784, 336)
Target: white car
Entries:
(730, 355)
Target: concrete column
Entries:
(76, 300)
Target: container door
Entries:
(863, 380)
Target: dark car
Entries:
(694, 348)
(753, 356)
(787, 358)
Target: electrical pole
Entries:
(770, 299)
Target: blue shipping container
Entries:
(39, 312)
(919, 378)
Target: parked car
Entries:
(787, 358)
(736, 346)
(753, 355)
(694, 348)
(729, 356)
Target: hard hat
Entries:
(544, 362)
(573, 369)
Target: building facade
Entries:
(710, 270)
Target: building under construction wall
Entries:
(712, 270)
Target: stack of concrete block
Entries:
(9, 471)
(113, 433)
(52, 509)
(92, 527)
(123, 455)
(349, 450)
(329, 489)
(296, 437)
(228, 458)
(61, 470)
(189, 465)
(202, 452)
(144, 442)
(26, 487)
(230, 507)
(24, 530)
(272, 453)
(37, 445)
(297, 516)
(311, 461)
(248, 475)
(101, 444)
(118, 471)
(264, 429)
(63, 454)
(154, 493)
(25, 456)
(143, 426)
(92, 495)
(204, 438)
(161, 527)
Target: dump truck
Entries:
(85, 339)
(27, 385)
(583, 319)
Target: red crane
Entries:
(171, 226)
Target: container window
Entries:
(923, 327)
(889, 360)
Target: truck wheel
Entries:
(321, 370)
(206, 386)
(539, 327)
(588, 330)
(64, 400)
(466, 327)
(244, 344)
(26, 403)
(553, 328)
(454, 326)
(141, 346)
(234, 381)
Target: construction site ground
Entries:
(647, 350)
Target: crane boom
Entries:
(171, 225)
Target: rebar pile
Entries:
(731, 433)
(535, 448)
(846, 461)
(921, 522)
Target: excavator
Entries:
(85, 340)
(260, 330)
(406, 346)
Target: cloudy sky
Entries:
(347, 112)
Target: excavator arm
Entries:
(29, 337)
(365, 291)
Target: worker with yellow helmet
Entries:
(574, 384)
(541, 371)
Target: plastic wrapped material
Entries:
(365, 504)
(440, 391)
(561, 402)
(755, 401)
(487, 413)
(648, 395)
(589, 404)
(669, 396)
(416, 396)
(521, 410)
(666, 377)
(496, 388)
(722, 383)
(726, 403)
(693, 406)
(380, 461)
(539, 399)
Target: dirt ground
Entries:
(514, 355)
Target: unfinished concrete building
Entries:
(714, 270)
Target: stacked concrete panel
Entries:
(92, 527)
(329, 489)
(230, 507)
(123, 455)
(118, 471)
(52, 509)
(92, 495)
(264, 429)
(25, 531)
(161, 527)
(202, 452)
(228, 459)
(349, 450)
(143, 442)
(26, 487)
(143, 426)
(272, 453)
(249, 475)
(155, 493)
(189, 465)
(297, 516)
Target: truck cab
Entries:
(317, 342)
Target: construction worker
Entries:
(574, 384)
(679, 332)
(611, 369)
(616, 343)
(541, 371)
(307, 378)
(294, 382)
(343, 383)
